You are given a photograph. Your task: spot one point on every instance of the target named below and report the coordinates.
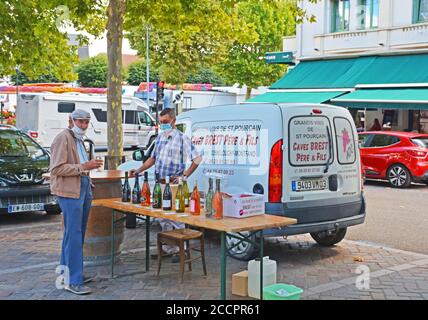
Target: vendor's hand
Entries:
(175, 180)
(132, 172)
(92, 164)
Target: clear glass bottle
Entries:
(145, 192)
(218, 201)
(179, 197)
(186, 192)
(195, 201)
(167, 196)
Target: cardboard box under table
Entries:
(253, 225)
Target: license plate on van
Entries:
(12, 208)
(309, 185)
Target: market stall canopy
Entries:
(348, 73)
(296, 97)
(414, 99)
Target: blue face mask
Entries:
(165, 126)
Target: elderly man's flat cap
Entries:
(80, 114)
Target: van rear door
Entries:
(321, 159)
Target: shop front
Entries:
(390, 88)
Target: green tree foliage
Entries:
(92, 72)
(205, 75)
(272, 20)
(22, 78)
(184, 35)
(137, 73)
(31, 35)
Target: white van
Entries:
(304, 159)
(44, 115)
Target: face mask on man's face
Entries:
(78, 132)
(165, 127)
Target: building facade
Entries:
(368, 55)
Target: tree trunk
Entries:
(115, 14)
(248, 93)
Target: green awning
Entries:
(296, 97)
(413, 99)
(348, 73)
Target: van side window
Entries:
(131, 117)
(144, 118)
(66, 107)
(100, 115)
(345, 141)
(383, 140)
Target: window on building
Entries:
(420, 10)
(368, 14)
(340, 15)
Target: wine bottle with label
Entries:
(209, 199)
(218, 201)
(179, 197)
(167, 196)
(145, 192)
(186, 192)
(126, 189)
(136, 191)
(157, 194)
(195, 201)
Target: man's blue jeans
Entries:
(75, 214)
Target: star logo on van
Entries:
(345, 139)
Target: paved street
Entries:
(31, 244)
(396, 218)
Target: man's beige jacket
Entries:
(65, 167)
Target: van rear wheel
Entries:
(244, 251)
(324, 239)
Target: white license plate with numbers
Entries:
(309, 185)
(12, 208)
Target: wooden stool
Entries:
(179, 237)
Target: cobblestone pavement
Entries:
(29, 255)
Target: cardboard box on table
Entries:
(243, 205)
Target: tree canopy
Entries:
(32, 38)
(92, 72)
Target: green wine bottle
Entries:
(157, 194)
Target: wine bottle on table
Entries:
(218, 202)
(186, 192)
(136, 191)
(195, 201)
(157, 194)
(126, 189)
(145, 192)
(179, 197)
(167, 196)
(209, 199)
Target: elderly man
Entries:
(172, 149)
(69, 167)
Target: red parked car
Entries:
(399, 157)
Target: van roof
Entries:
(257, 105)
(77, 97)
